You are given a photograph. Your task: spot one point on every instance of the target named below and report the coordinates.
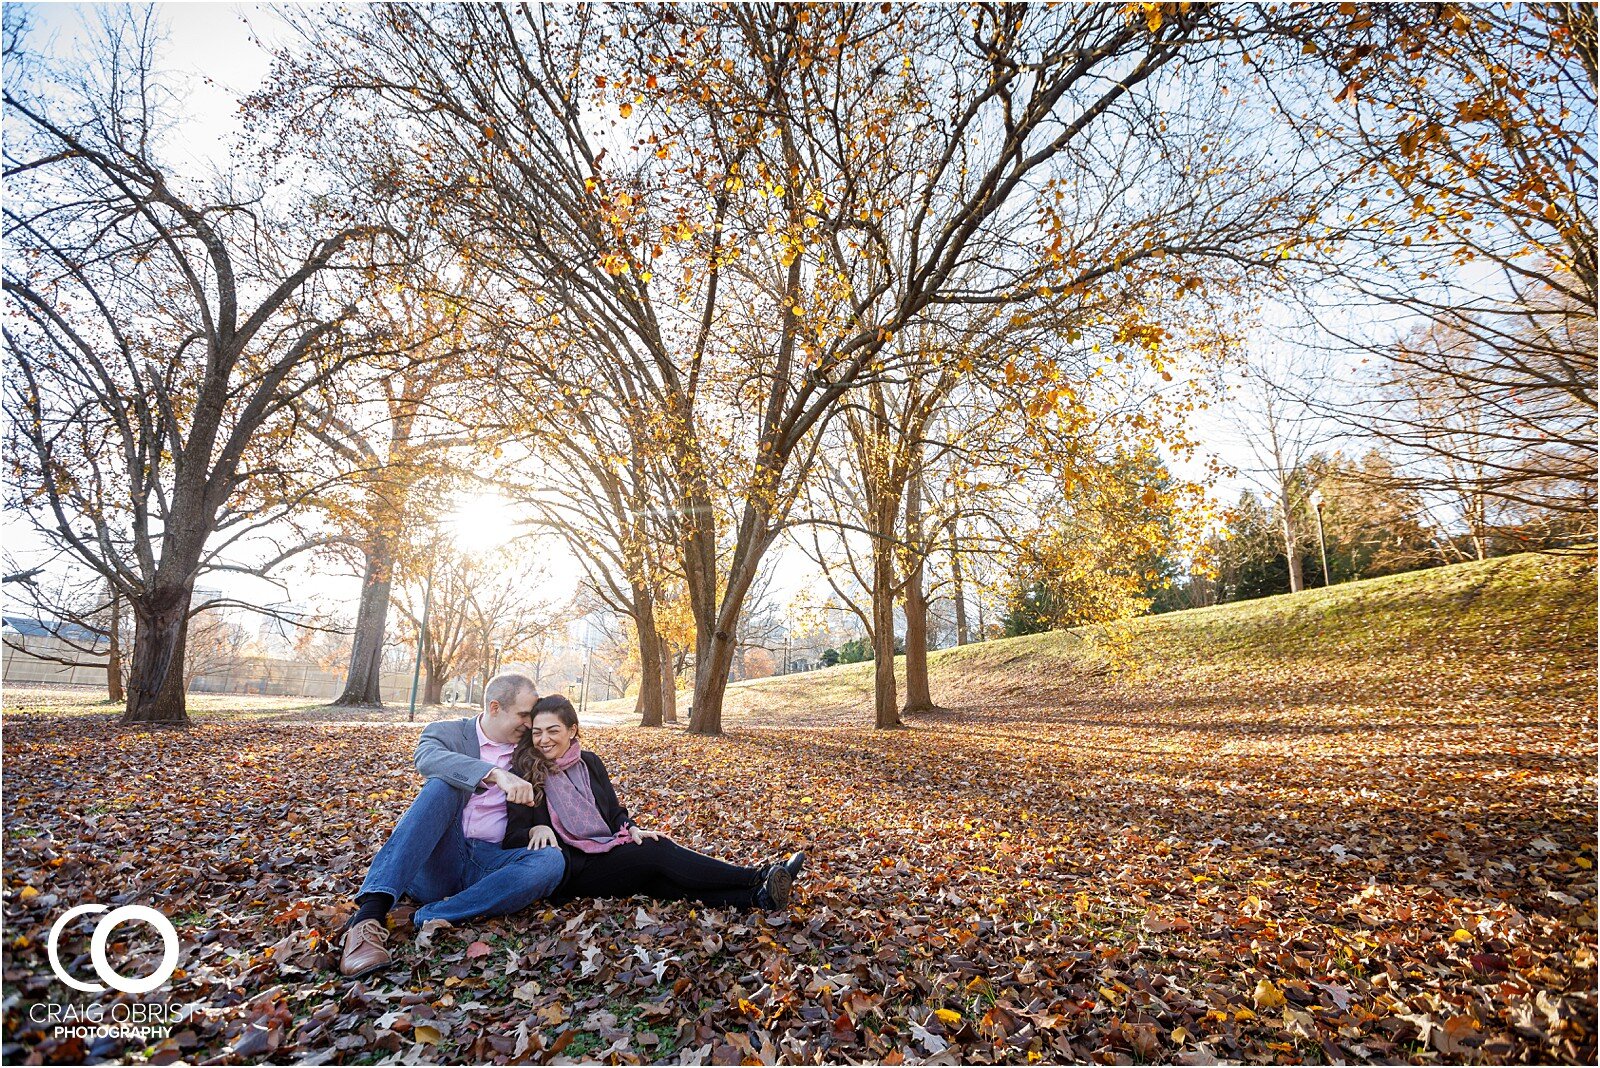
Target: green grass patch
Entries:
(1528, 620)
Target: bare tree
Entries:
(214, 645)
(1463, 141)
(163, 329)
(745, 256)
(510, 620)
(81, 612)
(398, 423)
(481, 607)
(1282, 433)
(436, 603)
(761, 623)
(1507, 459)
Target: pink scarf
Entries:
(569, 795)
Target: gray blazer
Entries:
(448, 750)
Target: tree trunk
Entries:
(919, 694)
(669, 682)
(1478, 525)
(959, 586)
(705, 711)
(155, 678)
(1291, 547)
(715, 642)
(711, 658)
(885, 714)
(648, 706)
(363, 683)
(432, 686)
(114, 691)
(711, 685)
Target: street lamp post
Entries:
(588, 659)
(583, 687)
(1322, 542)
(422, 637)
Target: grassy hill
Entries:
(1523, 625)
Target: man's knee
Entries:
(436, 804)
(438, 792)
(548, 859)
(544, 866)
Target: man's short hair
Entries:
(506, 689)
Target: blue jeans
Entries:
(455, 877)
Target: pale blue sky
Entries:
(213, 60)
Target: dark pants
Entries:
(660, 869)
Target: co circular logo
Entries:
(97, 949)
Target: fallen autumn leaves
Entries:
(1011, 892)
(1381, 857)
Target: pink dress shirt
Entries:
(485, 814)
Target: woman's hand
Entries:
(541, 838)
(639, 836)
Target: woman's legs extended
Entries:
(665, 870)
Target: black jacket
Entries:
(521, 819)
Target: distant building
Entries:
(25, 627)
(51, 652)
(280, 631)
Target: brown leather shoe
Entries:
(365, 949)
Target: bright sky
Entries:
(213, 60)
(209, 53)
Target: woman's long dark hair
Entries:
(527, 761)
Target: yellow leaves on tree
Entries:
(1147, 335)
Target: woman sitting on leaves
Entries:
(607, 856)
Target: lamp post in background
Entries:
(1322, 542)
(588, 658)
(583, 686)
(422, 636)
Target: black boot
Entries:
(773, 893)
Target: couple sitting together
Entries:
(515, 810)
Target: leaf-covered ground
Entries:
(1352, 826)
